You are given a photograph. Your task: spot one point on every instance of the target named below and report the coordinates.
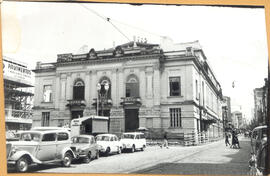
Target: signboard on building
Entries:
(17, 72)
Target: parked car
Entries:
(257, 163)
(258, 136)
(39, 147)
(85, 147)
(11, 136)
(133, 141)
(109, 143)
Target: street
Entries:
(212, 158)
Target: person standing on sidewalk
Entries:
(227, 139)
(165, 142)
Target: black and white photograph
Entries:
(135, 88)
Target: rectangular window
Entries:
(45, 119)
(47, 93)
(175, 117)
(196, 86)
(203, 92)
(175, 87)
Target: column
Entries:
(156, 85)
(69, 87)
(87, 89)
(57, 90)
(120, 83)
(142, 85)
(115, 99)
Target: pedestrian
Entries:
(165, 142)
(227, 139)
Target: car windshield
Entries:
(80, 140)
(30, 137)
(127, 136)
(103, 138)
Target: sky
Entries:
(233, 39)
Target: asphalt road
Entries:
(212, 158)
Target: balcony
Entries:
(105, 102)
(131, 101)
(76, 103)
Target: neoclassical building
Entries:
(165, 87)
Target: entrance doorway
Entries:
(76, 114)
(131, 119)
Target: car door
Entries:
(137, 141)
(62, 142)
(47, 147)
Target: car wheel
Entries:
(133, 149)
(108, 150)
(66, 162)
(97, 155)
(87, 159)
(142, 149)
(119, 150)
(22, 164)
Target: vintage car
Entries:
(109, 143)
(40, 147)
(257, 163)
(85, 147)
(258, 136)
(133, 141)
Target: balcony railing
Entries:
(76, 103)
(25, 114)
(105, 101)
(131, 101)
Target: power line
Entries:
(111, 19)
(106, 19)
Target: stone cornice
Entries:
(111, 60)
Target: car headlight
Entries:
(13, 151)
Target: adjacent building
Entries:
(237, 119)
(167, 87)
(226, 112)
(18, 91)
(260, 103)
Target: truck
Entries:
(93, 125)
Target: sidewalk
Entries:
(217, 159)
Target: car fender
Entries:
(67, 149)
(18, 154)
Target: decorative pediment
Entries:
(92, 54)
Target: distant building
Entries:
(168, 87)
(237, 119)
(18, 90)
(260, 103)
(226, 110)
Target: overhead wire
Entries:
(117, 28)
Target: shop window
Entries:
(78, 90)
(132, 86)
(175, 117)
(175, 89)
(45, 119)
(47, 93)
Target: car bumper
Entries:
(11, 162)
(80, 155)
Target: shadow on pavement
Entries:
(238, 164)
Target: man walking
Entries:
(227, 139)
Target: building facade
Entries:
(226, 110)
(260, 103)
(18, 90)
(168, 87)
(237, 119)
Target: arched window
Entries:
(104, 80)
(132, 86)
(78, 90)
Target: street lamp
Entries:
(103, 95)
